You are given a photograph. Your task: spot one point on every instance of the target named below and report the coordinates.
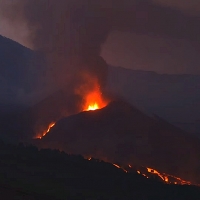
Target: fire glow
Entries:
(150, 172)
(94, 100)
(45, 132)
(166, 178)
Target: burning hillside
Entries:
(152, 173)
(121, 133)
(39, 136)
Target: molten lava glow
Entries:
(45, 132)
(167, 178)
(93, 107)
(150, 173)
(120, 167)
(117, 166)
(94, 101)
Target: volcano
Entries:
(121, 133)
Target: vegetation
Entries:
(29, 173)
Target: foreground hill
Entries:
(29, 173)
(122, 133)
(18, 72)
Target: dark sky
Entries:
(164, 36)
(169, 44)
(163, 55)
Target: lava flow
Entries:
(150, 173)
(166, 178)
(46, 131)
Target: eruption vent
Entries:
(90, 90)
(94, 101)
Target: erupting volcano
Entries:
(92, 100)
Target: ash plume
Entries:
(70, 32)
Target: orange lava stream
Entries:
(120, 167)
(45, 132)
(167, 178)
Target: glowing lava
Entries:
(45, 132)
(120, 167)
(148, 172)
(167, 178)
(93, 107)
(94, 101)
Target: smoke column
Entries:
(70, 32)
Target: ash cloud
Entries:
(71, 32)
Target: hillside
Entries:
(171, 96)
(18, 72)
(122, 133)
(29, 173)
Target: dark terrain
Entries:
(29, 173)
(121, 133)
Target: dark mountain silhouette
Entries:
(122, 133)
(163, 94)
(29, 173)
(36, 118)
(18, 78)
(174, 97)
(18, 71)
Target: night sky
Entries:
(156, 43)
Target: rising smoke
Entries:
(70, 32)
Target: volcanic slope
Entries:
(121, 133)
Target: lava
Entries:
(150, 172)
(46, 131)
(93, 106)
(120, 167)
(166, 178)
(94, 100)
(169, 178)
(153, 171)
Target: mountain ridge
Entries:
(118, 133)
